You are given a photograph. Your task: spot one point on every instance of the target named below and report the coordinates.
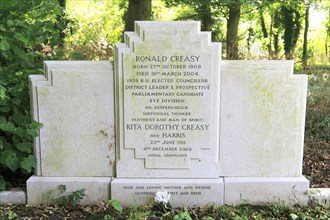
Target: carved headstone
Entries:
(168, 95)
(168, 100)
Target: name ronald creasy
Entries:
(162, 127)
(191, 58)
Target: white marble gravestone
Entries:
(169, 115)
(166, 74)
(168, 97)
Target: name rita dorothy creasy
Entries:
(167, 58)
(165, 127)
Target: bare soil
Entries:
(316, 164)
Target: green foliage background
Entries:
(27, 29)
(93, 28)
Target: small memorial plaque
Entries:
(184, 192)
(168, 93)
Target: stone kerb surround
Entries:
(261, 140)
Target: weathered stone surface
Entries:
(184, 192)
(168, 88)
(264, 190)
(13, 196)
(262, 119)
(319, 196)
(75, 103)
(42, 190)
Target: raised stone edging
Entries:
(13, 196)
(17, 196)
(319, 196)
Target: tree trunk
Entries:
(61, 21)
(327, 37)
(287, 14)
(263, 25)
(276, 35)
(267, 36)
(304, 54)
(292, 26)
(206, 16)
(296, 33)
(232, 30)
(138, 10)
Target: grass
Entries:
(318, 105)
(211, 212)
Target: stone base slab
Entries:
(41, 190)
(320, 196)
(264, 190)
(13, 196)
(184, 192)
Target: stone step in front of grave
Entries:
(316, 196)
(264, 190)
(42, 190)
(13, 196)
(319, 196)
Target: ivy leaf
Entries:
(4, 45)
(7, 126)
(10, 23)
(294, 216)
(29, 163)
(25, 147)
(32, 132)
(36, 125)
(58, 11)
(116, 205)
(11, 160)
(20, 118)
(2, 92)
(19, 132)
(22, 38)
(19, 37)
(2, 28)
